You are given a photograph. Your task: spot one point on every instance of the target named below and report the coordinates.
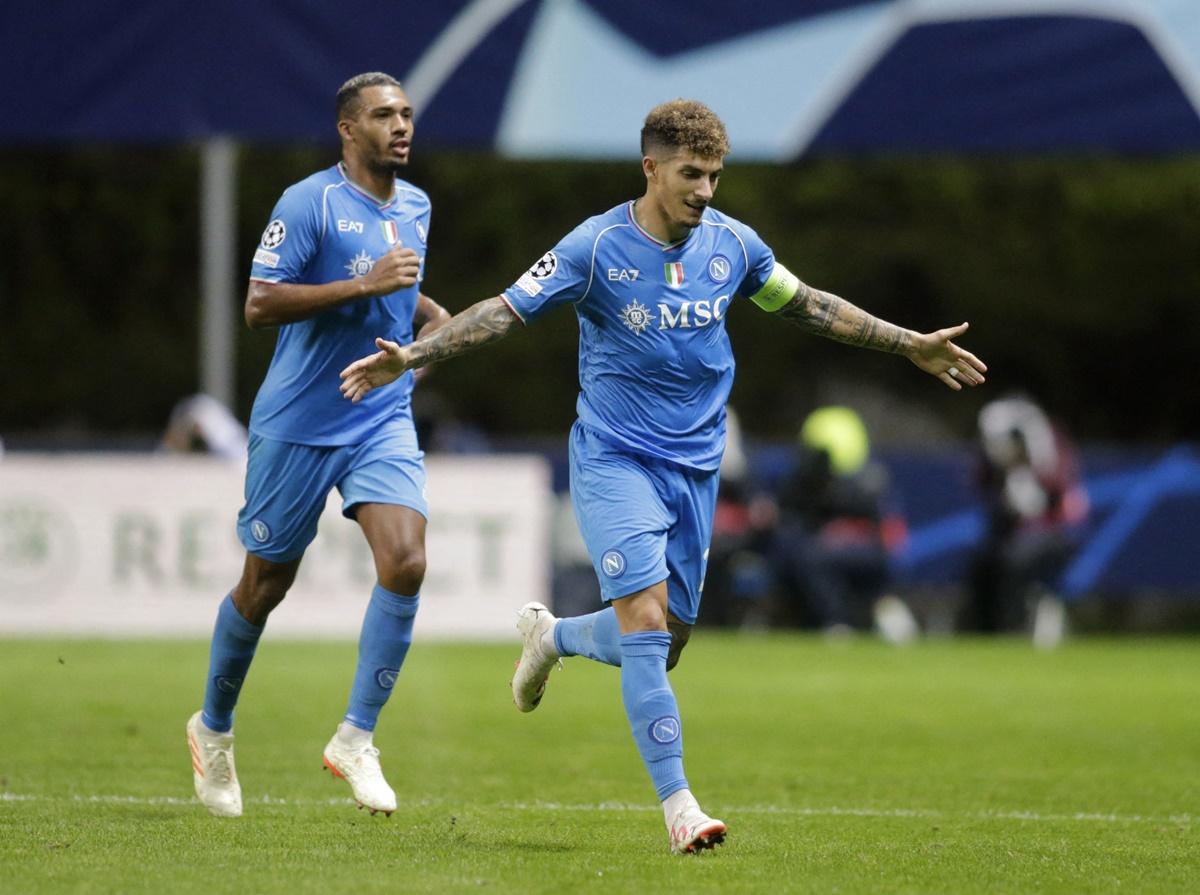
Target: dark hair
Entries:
(685, 124)
(347, 96)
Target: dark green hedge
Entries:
(1081, 279)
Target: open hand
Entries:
(384, 366)
(936, 353)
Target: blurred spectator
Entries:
(202, 424)
(737, 578)
(1030, 479)
(573, 582)
(439, 428)
(830, 546)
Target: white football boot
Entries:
(690, 829)
(534, 621)
(358, 764)
(213, 772)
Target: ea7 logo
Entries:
(621, 275)
(350, 227)
(691, 314)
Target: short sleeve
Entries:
(560, 276)
(291, 239)
(760, 261)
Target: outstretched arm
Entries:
(479, 324)
(835, 318)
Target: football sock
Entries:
(233, 643)
(353, 736)
(596, 636)
(382, 646)
(651, 708)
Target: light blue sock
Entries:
(596, 636)
(386, 633)
(651, 708)
(233, 643)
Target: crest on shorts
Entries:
(260, 531)
(613, 563)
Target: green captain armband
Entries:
(778, 290)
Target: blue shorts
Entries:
(287, 485)
(643, 520)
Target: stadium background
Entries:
(1029, 165)
(1044, 184)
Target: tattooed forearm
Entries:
(479, 324)
(835, 318)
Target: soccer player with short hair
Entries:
(340, 261)
(652, 282)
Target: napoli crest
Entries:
(228, 684)
(613, 563)
(719, 268)
(665, 729)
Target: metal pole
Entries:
(218, 237)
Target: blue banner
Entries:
(538, 78)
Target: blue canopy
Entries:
(575, 77)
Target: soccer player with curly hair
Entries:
(652, 282)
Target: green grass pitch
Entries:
(951, 766)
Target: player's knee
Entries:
(645, 619)
(255, 600)
(402, 570)
(262, 587)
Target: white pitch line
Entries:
(800, 811)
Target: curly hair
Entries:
(685, 124)
(348, 102)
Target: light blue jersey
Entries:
(655, 363)
(323, 229)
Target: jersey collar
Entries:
(364, 193)
(665, 246)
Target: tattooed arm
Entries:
(835, 318)
(479, 324)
